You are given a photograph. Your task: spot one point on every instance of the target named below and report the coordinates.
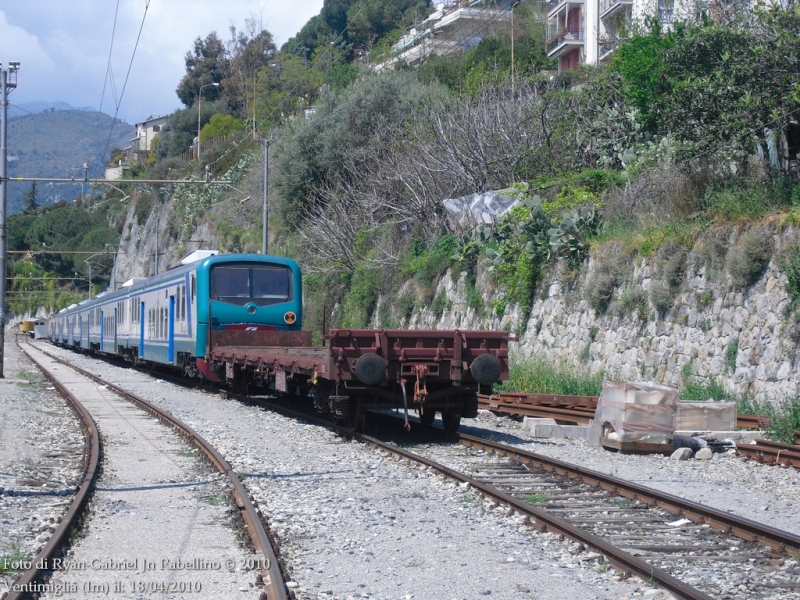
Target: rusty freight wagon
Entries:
(357, 370)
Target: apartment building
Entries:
(589, 31)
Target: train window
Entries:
(193, 288)
(232, 282)
(182, 303)
(271, 283)
(260, 285)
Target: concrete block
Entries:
(547, 428)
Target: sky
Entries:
(66, 53)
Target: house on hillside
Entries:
(146, 132)
(141, 146)
(455, 25)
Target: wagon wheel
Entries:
(451, 419)
(426, 415)
(355, 416)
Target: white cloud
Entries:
(64, 46)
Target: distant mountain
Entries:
(20, 110)
(57, 144)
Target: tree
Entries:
(220, 125)
(207, 63)
(29, 200)
(248, 52)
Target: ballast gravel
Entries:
(354, 523)
(41, 458)
(159, 518)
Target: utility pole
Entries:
(264, 243)
(6, 83)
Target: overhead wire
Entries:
(109, 70)
(451, 36)
(118, 100)
(127, 76)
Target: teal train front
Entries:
(173, 318)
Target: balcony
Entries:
(557, 6)
(609, 7)
(606, 48)
(564, 41)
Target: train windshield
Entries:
(260, 285)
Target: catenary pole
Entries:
(5, 84)
(264, 243)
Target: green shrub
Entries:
(791, 268)
(607, 275)
(661, 296)
(426, 261)
(633, 301)
(144, 206)
(405, 305)
(359, 303)
(441, 304)
(694, 391)
(474, 298)
(537, 375)
(748, 260)
(730, 354)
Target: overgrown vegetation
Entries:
(539, 375)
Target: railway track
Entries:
(773, 453)
(631, 528)
(691, 550)
(89, 471)
(268, 567)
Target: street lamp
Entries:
(200, 100)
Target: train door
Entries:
(114, 323)
(102, 329)
(171, 331)
(141, 330)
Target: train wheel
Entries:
(359, 414)
(451, 419)
(426, 416)
(354, 416)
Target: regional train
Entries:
(170, 319)
(237, 320)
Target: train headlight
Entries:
(290, 317)
(251, 310)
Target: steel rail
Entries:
(542, 521)
(622, 561)
(771, 453)
(577, 409)
(26, 582)
(780, 541)
(271, 574)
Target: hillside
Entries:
(56, 144)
